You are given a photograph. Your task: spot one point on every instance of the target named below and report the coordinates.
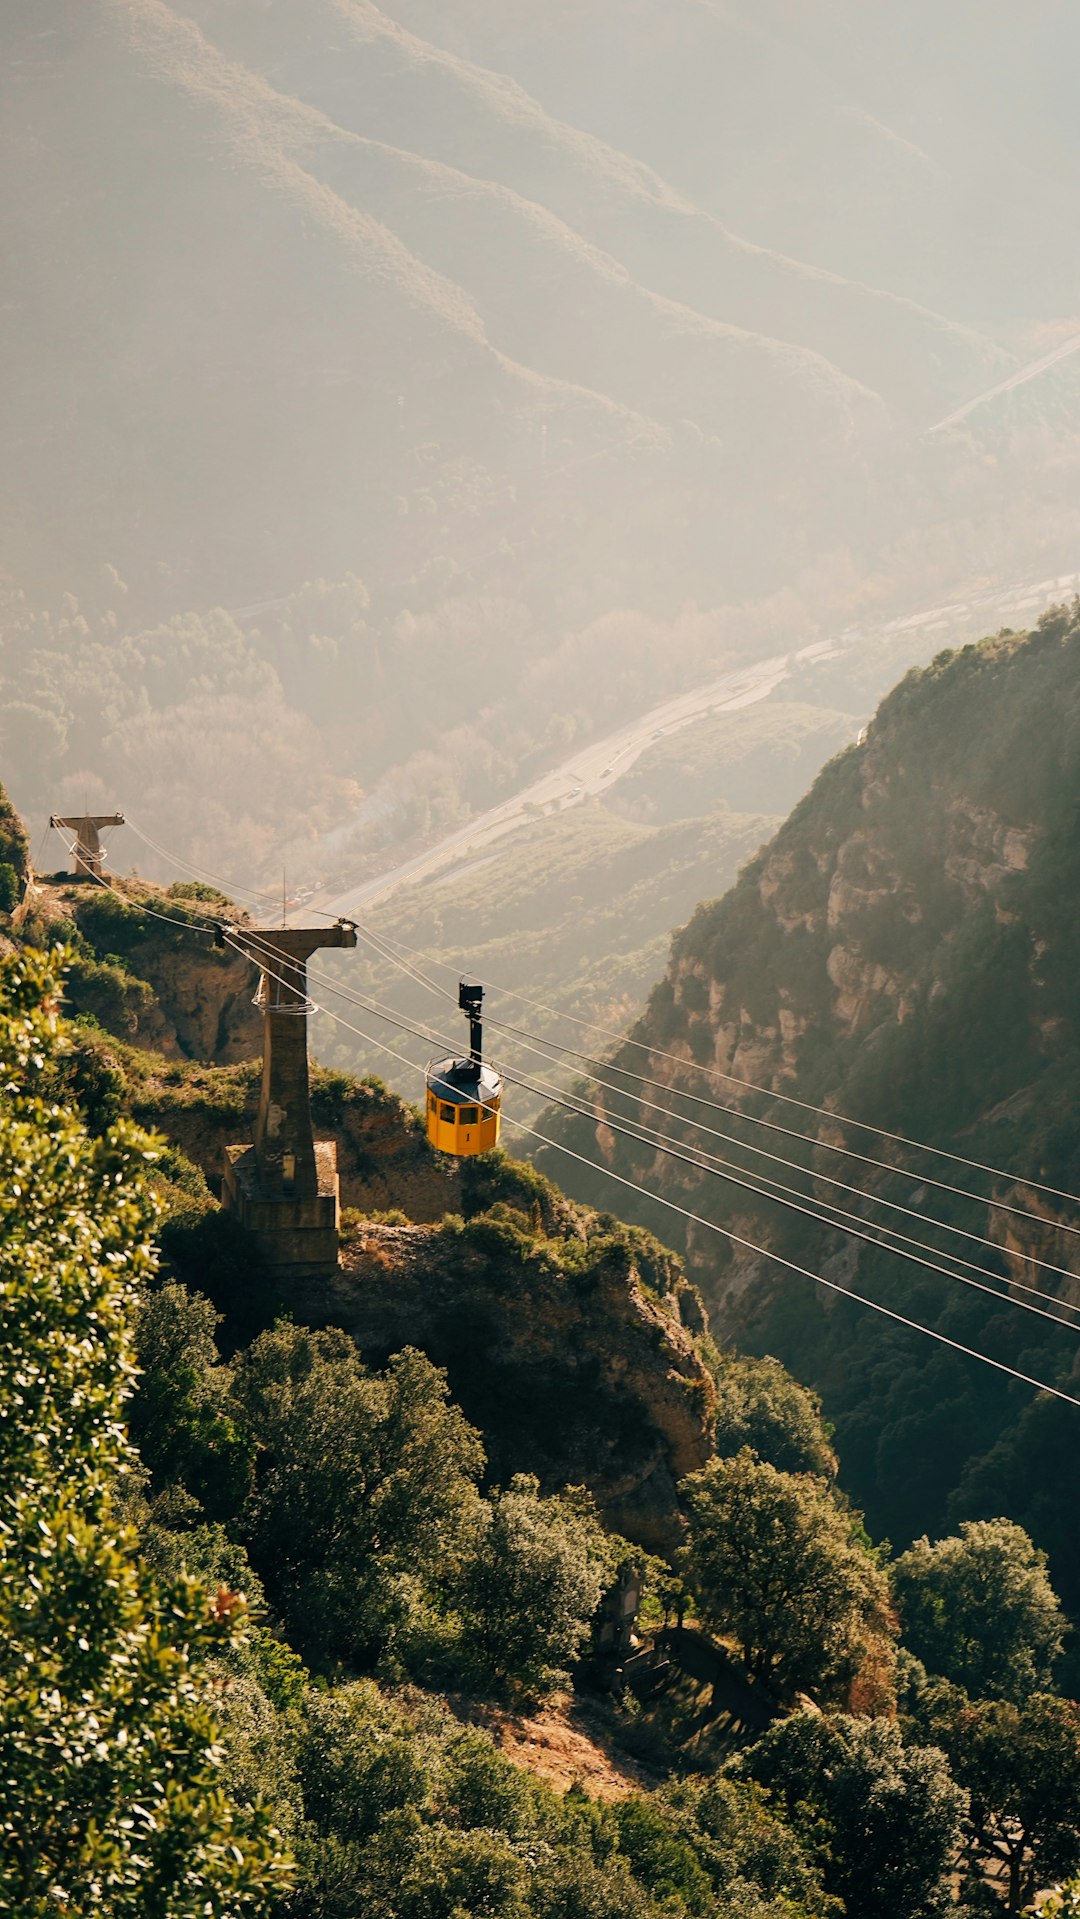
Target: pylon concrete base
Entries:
(298, 1235)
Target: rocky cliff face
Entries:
(174, 992)
(904, 952)
(566, 1353)
(572, 1343)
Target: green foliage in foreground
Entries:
(1063, 1904)
(1021, 1766)
(759, 1405)
(355, 1493)
(365, 1492)
(401, 1812)
(885, 1818)
(111, 1795)
(527, 1545)
(14, 854)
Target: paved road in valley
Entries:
(591, 770)
(599, 763)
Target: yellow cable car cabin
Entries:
(464, 1095)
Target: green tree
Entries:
(111, 1794)
(885, 1819)
(181, 1418)
(759, 1405)
(532, 1584)
(777, 1562)
(1021, 1766)
(365, 1490)
(980, 1610)
(14, 854)
(741, 1841)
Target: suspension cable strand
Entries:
(545, 1048)
(834, 1217)
(822, 1145)
(540, 1047)
(763, 1252)
(836, 1225)
(230, 889)
(653, 1135)
(136, 905)
(660, 1144)
(413, 972)
(714, 1072)
(771, 1188)
(913, 1325)
(658, 1199)
(364, 1002)
(787, 1099)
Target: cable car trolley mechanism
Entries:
(464, 1095)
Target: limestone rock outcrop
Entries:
(576, 1369)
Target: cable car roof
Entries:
(458, 1082)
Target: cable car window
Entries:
(447, 1113)
(469, 1115)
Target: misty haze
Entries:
(539, 929)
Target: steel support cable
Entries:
(228, 887)
(724, 1232)
(793, 1165)
(369, 1004)
(912, 1325)
(711, 1162)
(546, 1047)
(820, 1145)
(804, 1272)
(136, 905)
(834, 1224)
(660, 1143)
(404, 966)
(787, 1099)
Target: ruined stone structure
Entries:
(284, 1187)
(89, 854)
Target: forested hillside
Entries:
(333, 1639)
(902, 953)
(605, 343)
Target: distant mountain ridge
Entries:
(283, 258)
(457, 378)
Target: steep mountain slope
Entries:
(914, 150)
(374, 76)
(300, 289)
(199, 303)
(398, 393)
(904, 952)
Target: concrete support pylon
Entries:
(89, 855)
(284, 1186)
